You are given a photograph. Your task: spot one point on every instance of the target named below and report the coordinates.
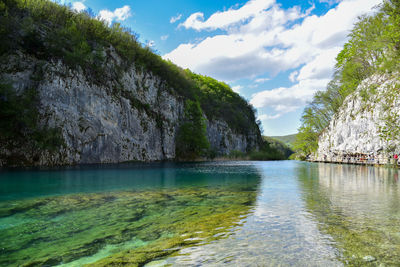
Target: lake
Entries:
(240, 213)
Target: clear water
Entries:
(284, 213)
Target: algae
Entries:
(117, 228)
(362, 237)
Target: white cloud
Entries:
(227, 18)
(293, 76)
(78, 6)
(175, 19)
(119, 14)
(259, 40)
(287, 99)
(164, 37)
(265, 117)
(260, 37)
(237, 88)
(123, 13)
(151, 43)
(320, 67)
(261, 80)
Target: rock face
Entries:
(368, 122)
(223, 140)
(133, 119)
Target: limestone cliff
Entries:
(368, 122)
(133, 118)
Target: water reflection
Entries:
(358, 206)
(18, 184)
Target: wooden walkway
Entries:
(371, 162)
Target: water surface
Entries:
(284, 213)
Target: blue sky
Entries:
(275, 53)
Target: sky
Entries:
(274, 53)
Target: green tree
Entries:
(191, 140)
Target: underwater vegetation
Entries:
(117, 228)
(359, 208)
(236, 214)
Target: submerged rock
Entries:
(369, 258)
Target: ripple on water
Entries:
(218, 214)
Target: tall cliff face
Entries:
(133, 118)
(368, 122)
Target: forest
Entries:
(373, 48)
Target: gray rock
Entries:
(369, 258)
(100, 123)
(359, 125)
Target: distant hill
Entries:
(279, 145)
(286, 139)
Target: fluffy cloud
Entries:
(227, 18)
(261, 37)
(78, 6)
(164, 37)
(287, 99)
(119, 14)
(259, 40)
(320, 67)
(175, 19)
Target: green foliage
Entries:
(280, 146)
(374, 47)
(236, 154)
(306, 142)
(286, 139)
(267, 152)
(19, 120)
(191, 141)
(219, 101)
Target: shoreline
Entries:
(360, 162)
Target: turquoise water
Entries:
(284, 213)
